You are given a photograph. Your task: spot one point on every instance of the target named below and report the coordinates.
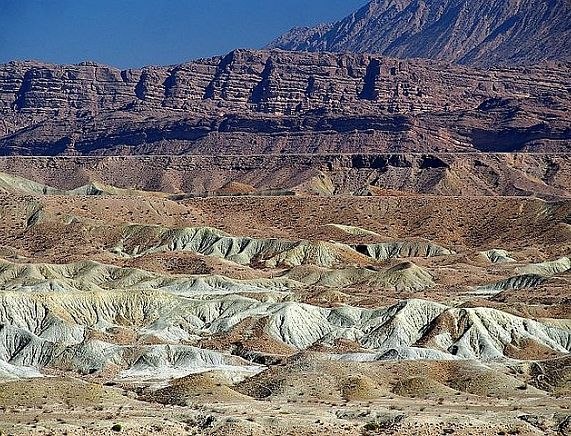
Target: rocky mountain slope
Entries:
(476, 32)
(269, 102)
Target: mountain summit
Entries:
(478, 32)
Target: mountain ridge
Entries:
(264, 102)
(482, 33)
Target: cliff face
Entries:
(274, 102)
(476, 32)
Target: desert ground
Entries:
(127, 311)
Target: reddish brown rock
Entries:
(264, 102)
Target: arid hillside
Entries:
(546, 176)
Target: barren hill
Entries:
(546, 176)
(414, 313)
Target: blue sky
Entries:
(132, 33)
